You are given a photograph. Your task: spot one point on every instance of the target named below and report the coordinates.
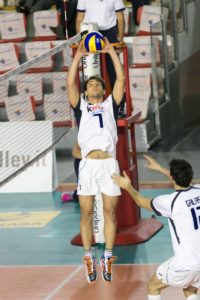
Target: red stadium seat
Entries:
(57, 109)
(4, 85)
(31, 85)
(9, 54)
(149, 19)
(12, 27)
(34, 49)
(42, 21)
(19, 108)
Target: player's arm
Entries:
(79, 20)
(118, 89)
(154, 165)
(121, 25)
(125, 183)
(72, 89)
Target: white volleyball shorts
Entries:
(95, 177)
(171, 274)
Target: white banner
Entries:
(91, 65)
(98, 220)
(20, 143)
(91, 62)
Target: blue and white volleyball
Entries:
(94, 41)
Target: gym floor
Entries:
(37, 260)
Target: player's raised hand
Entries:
(108, 46)
(152, 163)
(122, 181)
(81, 51)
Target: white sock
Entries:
(154, 297)
(88, 253)
(193, 297)
(107, 253)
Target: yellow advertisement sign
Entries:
(26, 219)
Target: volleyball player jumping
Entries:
(97, 138)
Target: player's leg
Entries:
(155, 286)
(110, 221)
(110, 195)
(86, 192)
(170, 273)
(191, 293)
(86, 205)
(86, 227)
(110, 226)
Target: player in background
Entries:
(182, 208)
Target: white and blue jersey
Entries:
(182, 208)
(97, 126)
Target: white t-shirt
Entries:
(97, 127)
(182, 207)
(102, 12)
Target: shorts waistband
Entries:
(98, 154)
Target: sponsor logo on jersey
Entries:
(95, 108)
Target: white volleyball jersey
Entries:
(102, 12)
(97, 126)
(182, 208)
